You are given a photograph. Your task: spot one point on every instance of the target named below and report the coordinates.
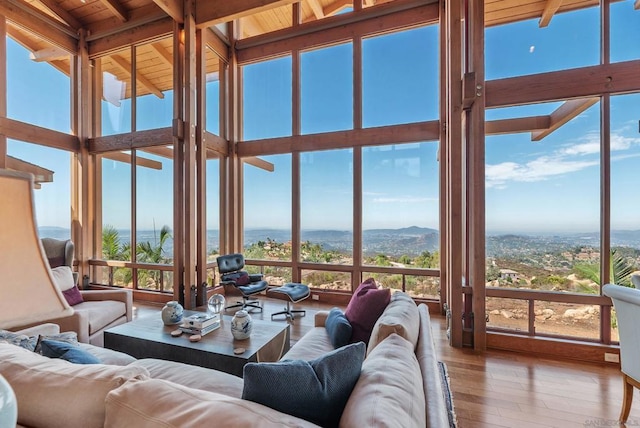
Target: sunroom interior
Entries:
(473, 155)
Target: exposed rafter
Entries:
(214, 12)
(126, 158)
(520, 124)
(250, 26)
(116, 8)
(61, 13)
(40, 174)
(317, 8)
(173, 8)
(26, 16)
(165, 56)
(19, 37)
(260, 163)
(563, 114)
(337, 6)
(49, 54)
(550, 9)
(125, 66)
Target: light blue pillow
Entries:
(314, 390)
(338, 328)
(67, 351)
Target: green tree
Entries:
(147, 252)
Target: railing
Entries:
(530, 297)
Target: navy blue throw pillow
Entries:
(338, 328)
(315, 390)
(67, 351)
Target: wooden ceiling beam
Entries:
(125, 66)
(517, 125)
(49, 54)
(550, 9)
(216, 143)
(131, 140)
(165, 56)
(61, 64)
(61, 13)
(616, 78)
(35, 134)
(317, 9)
(369, 2)
(165, 152)
(173, 8)
(116, 9)
(126, 158)
(209, 12)
(337, 6)
(135, 34)
(40, 174)
(260, 163)
(563, 114)
(44, 26)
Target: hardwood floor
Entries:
(505, 389)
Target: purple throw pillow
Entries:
(365, 307)
(243, 279)
(73, 296)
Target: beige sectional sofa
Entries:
(399, 386)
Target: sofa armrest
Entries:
(44, 329)
(78, 322)
(119, 295)
(320, 318)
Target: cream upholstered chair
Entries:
(626, 302)
(29, 289)
(635, 280)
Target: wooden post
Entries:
(178, 165)
(3, 88)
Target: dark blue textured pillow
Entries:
(314, 390)
(67, 351)
(338, 328)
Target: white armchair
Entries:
(626, 302)
(635, 280)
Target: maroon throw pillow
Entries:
(365, 307)
(243, 279)
(73, 296)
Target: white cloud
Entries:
(566, 160)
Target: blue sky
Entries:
(552, 185)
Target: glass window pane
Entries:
(116, 209)
(52, 195)
(543, 208)
(400, 205)
(411, 57)
(116, 92)
(214, 66)
(213, 209)
(327, 89)
(507, 314)
(326, 212)
(266, 107)
(38, 92)
(327, 280)
(625, 31)
(154, 214)
(567, 319)
(625, 221)
(267, 232)
(571, 40)
(154, 89)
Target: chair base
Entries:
(246, 303)
(290, 313)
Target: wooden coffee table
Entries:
(148, 337)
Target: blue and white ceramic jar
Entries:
(172, 313)
(241, 325)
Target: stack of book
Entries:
(201, 324)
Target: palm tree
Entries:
(149, 253)
(619, 273)
(111, 243)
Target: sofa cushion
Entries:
(56, 393)
(73, 296)
(32, 342)
(67, 351)
(316, 390)
(101, 313)
(400, 317)
(107, 356)
(193, 376)
(389, 391)
(312, 345)
(338, 328)
(173, 405)
(364, 308)
(63, 277)
(66, 336)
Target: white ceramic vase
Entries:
(241, 325)
(172, 313)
